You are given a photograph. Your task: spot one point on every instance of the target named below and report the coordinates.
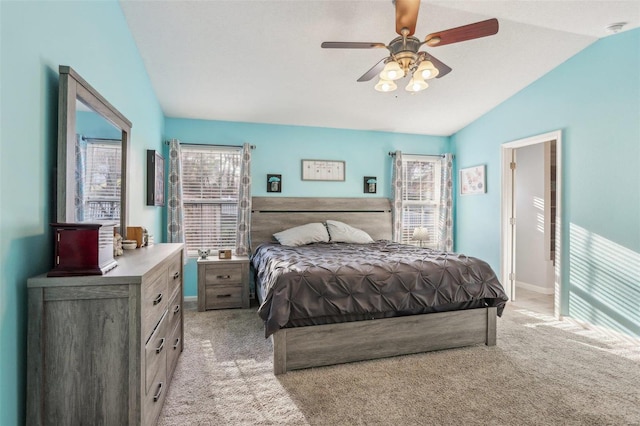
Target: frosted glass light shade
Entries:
(427, 70)
(391, 71)
(385, 86)
(416, 84)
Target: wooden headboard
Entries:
(274, 214)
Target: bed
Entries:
(333, 302)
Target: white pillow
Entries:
(304, 234)
(343, 233)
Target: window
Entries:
(210, 190)
(101, 191)
(421, 177)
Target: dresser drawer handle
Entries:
(223, 277)
(161, 347)
(176, 275)
(156, 397)
(175, 346)
(158, 299)
(222, 296)
(176, 309)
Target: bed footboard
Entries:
(318, 345)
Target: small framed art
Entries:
(323, 170)
(473, 180)
(274, 183)
(155, 178)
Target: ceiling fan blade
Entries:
(350, 45)
(375, 70)
(463, 33)
(443, 68)
(407, 15)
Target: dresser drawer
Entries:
(175, 273)
(175, 311)
(174, 349)
(155, 352)
(221, 297)
(154, 398)
(223, 274)
(155, 298)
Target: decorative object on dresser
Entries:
(82, 249)
(203, 253)
(223, 283)
(370, 184)
(274, 183)
(155, 178)
(102, 349)
(139, 234)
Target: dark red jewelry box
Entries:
(82, 249)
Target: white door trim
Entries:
(507, 198)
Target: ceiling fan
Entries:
(405, 57)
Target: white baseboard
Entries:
(190, 298)
(535, 288)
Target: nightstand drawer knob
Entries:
(158, 299)
(223, 277)
(222, 296)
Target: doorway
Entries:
(530, 222)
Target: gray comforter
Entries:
(322, 283)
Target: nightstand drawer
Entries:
(222, 297)
(223, 274)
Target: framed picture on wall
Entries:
(155, 178)
(473, 180)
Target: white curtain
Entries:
(445, 221)
(244, 203)
(396, 189)
(175, 210)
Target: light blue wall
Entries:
(37, 37)
(599, 115)
(280, 149)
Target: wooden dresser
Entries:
(102, 349)
(223, 283)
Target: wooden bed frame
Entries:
(318, 345)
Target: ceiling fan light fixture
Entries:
(417, 84)
(427, 70)
(391, 71)
(386, 86)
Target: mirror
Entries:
(93, 141)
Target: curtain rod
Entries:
(393, 154)
(211, 144)
(87, 138)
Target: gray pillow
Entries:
(304, 234)
(342, 233)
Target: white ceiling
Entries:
(260, 61)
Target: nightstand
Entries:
(223, 283)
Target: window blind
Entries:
(421, 180)
(210, 190)
(101, 195)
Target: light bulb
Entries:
(391, 71)
(385, 86)
(416, 84)
(427, 70)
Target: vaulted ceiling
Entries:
(261, 61)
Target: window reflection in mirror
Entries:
(98, 163)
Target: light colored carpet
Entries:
(542, 372)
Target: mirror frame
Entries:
(72, 87)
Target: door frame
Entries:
(506, 200)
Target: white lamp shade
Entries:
(386, 86)
(420, 234)
(427, 70)
(391, 71)
(416, 84)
